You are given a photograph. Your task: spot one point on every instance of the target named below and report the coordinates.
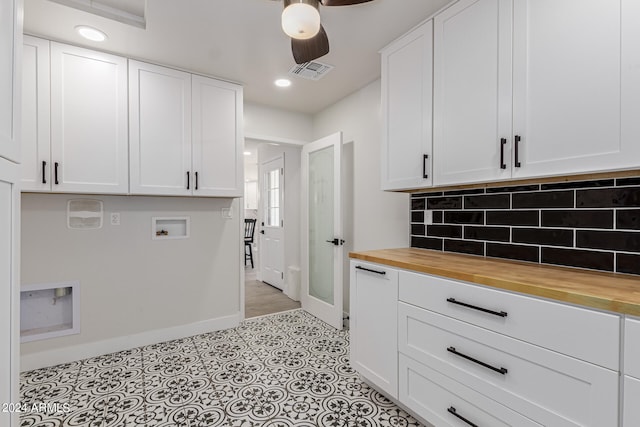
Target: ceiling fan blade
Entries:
(310, 49)
(342, 2)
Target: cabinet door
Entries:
(9, 288)
(10, 40)
(374, 324)
(159, 130)
(631, 415)
(88, 121)
(576, 85)
(217, 157)
(472, 92)
(36, 142)
(407, 96)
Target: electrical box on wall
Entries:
(84, 214)
(49, 310)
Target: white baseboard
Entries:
(57, 356)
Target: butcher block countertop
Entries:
(605, 291)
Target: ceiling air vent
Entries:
(313, 70)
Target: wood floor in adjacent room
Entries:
(261, 298)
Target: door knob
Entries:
(261, 231)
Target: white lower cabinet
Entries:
(442, 401)
(549, 387)
(374, 345)
(494, 360)
(631, 408)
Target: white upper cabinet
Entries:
(10, 62)
(472, 92)
(217, 131)
(576, 85)
(36, 112)
(185, 133)
(88, 121)
(160, 130)
(407, 67)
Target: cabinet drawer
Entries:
(432, 396)
(631, 415)
(544, 385)
(585, 334)
(632, 347)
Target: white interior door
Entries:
(272, 230)
(322, 250)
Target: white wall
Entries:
(272, 124)
(131, 284)
(381, 219)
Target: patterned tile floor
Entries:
(287, 369)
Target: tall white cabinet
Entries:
(217, 128)
(74, 119)
(10, 66)
(407, 67)
(576, 85)
(159, 130)
(185, 133)
(88, 121)
(472, 92)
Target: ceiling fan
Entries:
(301, 22)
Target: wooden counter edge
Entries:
(573, 297)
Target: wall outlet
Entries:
(428, 217)
(226, 213)
(115, 218)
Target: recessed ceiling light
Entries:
(91, 33)
(283, 82)
(247, 153)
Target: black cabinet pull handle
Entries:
(453, 412)
(55, 173)
(188, 180)
(382, 273)
(500, 370)
(196, 180)
(425, 158)
(475, 307)
(44, 171)
(517, 144)
(503, 142)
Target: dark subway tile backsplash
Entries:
(454, 231)
(578, 258)
(513, 218)
(515, 252)
(627, 263)
(608, 198)
(444, 203)
(627, 241)
(464, 247)
(543, 236)
(464, 217)
(487, 201)
(628, 219)
(543, 199)
(490, 234)
(586, 224)
(426, 243)
(578, 218)
(417, 229)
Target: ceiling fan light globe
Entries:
(300, 21)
